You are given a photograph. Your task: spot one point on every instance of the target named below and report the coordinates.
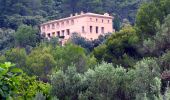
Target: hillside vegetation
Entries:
(131, 64)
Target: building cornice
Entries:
(78, 16)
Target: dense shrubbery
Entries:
(119, 48)
(17, 85)
(130, 64)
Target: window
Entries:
(49, 35)
(102, 29)
(48, 26)
(91, 29)
(102, 20)
(72, 22)
(97, 29)
(58, 33)
(62, 32)
(58, 24)
(68, 32)
(53, 34)
(96, 20)
(62, 23)
(67, 22)
(108, 21)
(90, 19)
(83, 29)
(53, 26)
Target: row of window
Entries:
(59, 33)
(58, 24)
(97, 20)
(68, 22)
(97, 29)
(67, 31)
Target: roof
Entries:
(106, 15)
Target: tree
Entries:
(9, 80)
(150, 15)
(118, 47)
(147, 19)
(104, 82)
(88, 45)
(73, 54)
(116, 23)
(14, 84)
(160, 42)
(17, 56)
(40, 62)
(147, 80)
(7, 39)
(66, 85)
(26, 35)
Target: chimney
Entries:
(76, 14)
(106, 14)
(82, 13)
(71, 15)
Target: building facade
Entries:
(88, 25)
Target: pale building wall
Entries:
(76, 24)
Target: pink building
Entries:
(88, 25)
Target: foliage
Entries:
(89, 45)
(6, 38)
(108, 82)
(104, 82)
(147, 19)
(81, 41)
(40, 62)
(17, 12)
(9, 80)
(78, 71)
(17, 56)
(39, 96)
(26, 35)
(150, 15)
(17, 85)
(118, 47)
(72, 54)
(29, 88)
(164, 61)
(117, 23)
(147, 81)
(66, 85)
(125, 9)
(160, 42)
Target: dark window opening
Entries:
(83, 29)
(68, 32)
(72, 21)
(102, 29)
(62, 23)
(67, 22)
(90, 19)
(62, 32)
(97, 29)
(58, 24)
(48, 26)
(53, 26)
(91, 29)
(58, 33)
(49, 35)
